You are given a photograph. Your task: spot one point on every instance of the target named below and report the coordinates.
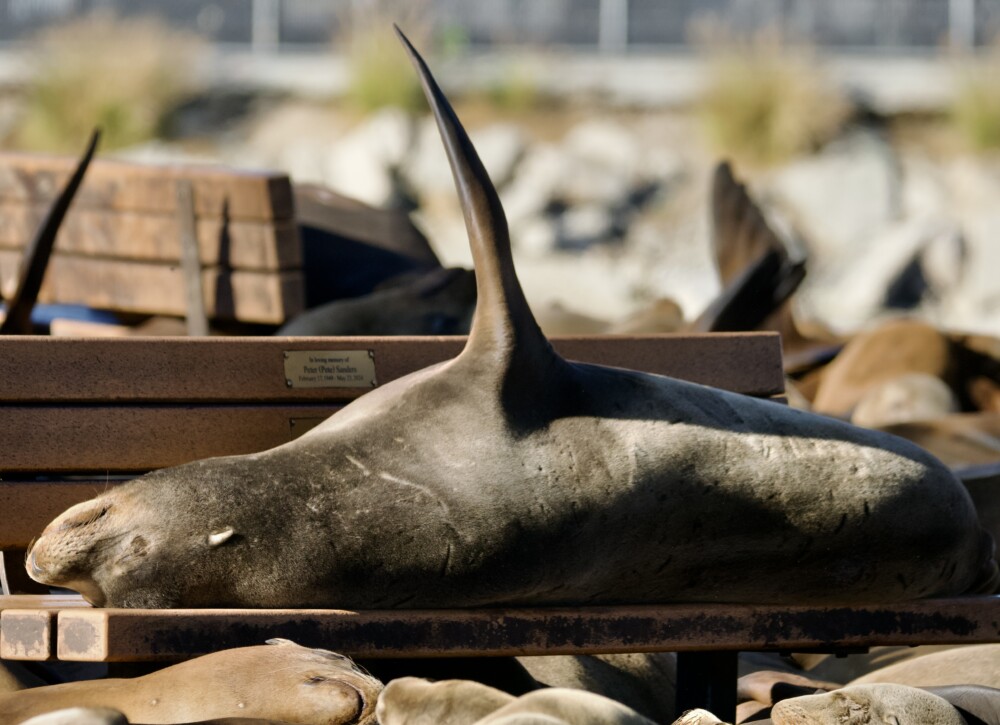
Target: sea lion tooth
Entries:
(220, 537)
(38, 251)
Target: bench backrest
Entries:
(103, 409)
(120, 245)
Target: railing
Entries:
(605, 25)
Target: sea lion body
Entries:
(511, 476)
(970, 665)
(867, 705)
(281, 681)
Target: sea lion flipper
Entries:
(503, 329)
(757, 273)
(38, 251)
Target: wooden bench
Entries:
(107, 409)
(120, 246)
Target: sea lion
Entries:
(17, 319)
(958, 440)
(436, 302)
(886, 351)
(978, 705)
(968, 665)
(557, 706)
(698, 717)
(867, 704)
(416, 701)
(279, 681)
(512, 476)
(758, 274)
(412, 701)
(79, 716)
(903, 399)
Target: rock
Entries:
(890, 272)
(361, 164)
(604, 144)
(501, 147)
(583, 226)
(535, 237)
(533, 187)
(841, 197)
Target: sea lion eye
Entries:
(220, 537)
(316, 679)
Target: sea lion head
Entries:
(173, 537)
(867, 705)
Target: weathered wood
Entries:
(117, 635)
(197, 320)
(125, 186)
(252, 245)
(100, 439)
(66, 370)
(28, 625)
(27, 634)
(36, 503)
(151, 288)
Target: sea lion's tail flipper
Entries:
(504, 332)
(758, 275)
(38, 251)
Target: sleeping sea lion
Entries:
(280, 681)
(867, 705)
(512, 476)
(435, 302)
(416, 701)
(968, 665)
(412, 701)
(79, 716)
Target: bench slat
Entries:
(118, 635)
(158, 288)
(121, 185)
(156, 237)
(138, 370)
(140, 438)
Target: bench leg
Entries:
(707, 680)
(13, 577)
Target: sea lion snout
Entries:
(64, 553)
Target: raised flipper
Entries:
(39, 250)
(758, 275)
(505, 341)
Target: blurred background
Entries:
(869, 129)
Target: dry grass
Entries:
(975, 112)
(380, 72)
(766, 101)
(121, 75)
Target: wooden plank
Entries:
(139, 438)
(151, 288)
(28, 634)
(137, 370)
(240, 244)
(121, 185)
(120, 635)
(28, 625)
(39, 502)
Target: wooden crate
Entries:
(119, 247)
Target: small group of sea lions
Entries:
(512, 476)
